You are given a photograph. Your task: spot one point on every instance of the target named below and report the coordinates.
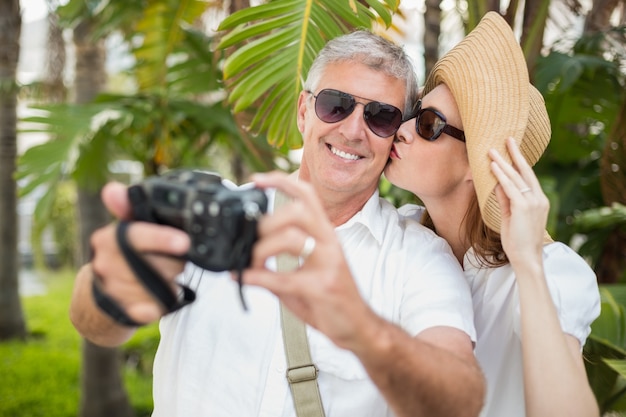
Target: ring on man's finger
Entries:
(524, 190)
(307, 249)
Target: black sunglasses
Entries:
(430, 124)
(332, 106)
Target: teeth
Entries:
(343, 154)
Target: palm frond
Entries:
(46, 165)
(162, 27)
(275, 46)
(196, 71)
(48, 162)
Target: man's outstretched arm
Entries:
(114, 277)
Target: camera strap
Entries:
(301, 371)
(151, 280)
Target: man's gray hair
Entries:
(369, 49)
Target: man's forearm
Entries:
(89, 320)
(418, 378)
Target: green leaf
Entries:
(610, 327)
(47, 163)
(362, 18)
(274, 45)
(602, 217)
(162, 29)
(383, 10)
(43, 208)
(264, 11)
(243, 33)
(250, 89)
(618, 365)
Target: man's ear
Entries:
(302, 98)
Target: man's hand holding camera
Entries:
(115, 277)
(321, 292)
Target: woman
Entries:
(534, 299)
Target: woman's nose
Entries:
(406, 132)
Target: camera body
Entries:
(220, 221)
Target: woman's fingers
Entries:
(524, 206)
(503, 201)
(525, 170)
(510, 181)
(517, 178)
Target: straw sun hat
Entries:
(487, 75)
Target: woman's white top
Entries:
(574, 290)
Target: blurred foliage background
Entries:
(214, 84)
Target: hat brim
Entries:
(487, 75)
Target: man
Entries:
(389, 312)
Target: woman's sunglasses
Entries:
(430, 124)
(332, 106)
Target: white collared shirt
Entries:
(574, 291)
(215, 359)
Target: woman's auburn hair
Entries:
(486, 243)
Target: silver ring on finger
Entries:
(308, 248)
(525, 190)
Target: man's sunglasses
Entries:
(332, 106)
(430, 124)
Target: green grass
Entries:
(41, 377)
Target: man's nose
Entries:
(355, 124)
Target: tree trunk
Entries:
(613, 161)
(535, 17)
(598, 18)
(432, 29)
(611, 265)
(103, 392)
(12, 323)
(55, 58)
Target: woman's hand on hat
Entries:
(523, 205)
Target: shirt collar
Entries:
(369, 216)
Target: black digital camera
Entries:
(220, 221)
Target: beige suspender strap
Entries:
(301, 372)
